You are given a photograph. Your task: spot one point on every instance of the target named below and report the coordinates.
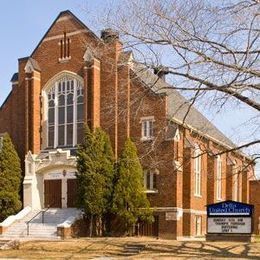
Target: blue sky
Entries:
(23, 23)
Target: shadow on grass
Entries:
(204, 249)
(157, 248)
(114, 247)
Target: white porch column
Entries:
(64, 193)
(31, 196)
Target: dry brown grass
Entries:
(113, 248)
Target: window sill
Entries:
(197, 196)
(147, 139)
(151, 191)
(62, 60)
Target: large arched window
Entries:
(65, 112)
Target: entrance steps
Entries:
(37, 229)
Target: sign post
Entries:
(229, 220)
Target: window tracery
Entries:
(65, 112)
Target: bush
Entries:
(10, 179)
(130, 202)
(9, 204)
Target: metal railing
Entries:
(36, 215)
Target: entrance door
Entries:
(71, 193)
(52, 193)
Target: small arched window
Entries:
(65, 112)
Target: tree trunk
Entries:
(99, 227)
(91, 226)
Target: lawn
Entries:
(114, 248)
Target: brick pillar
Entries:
(85, 78)
(109, 92)
(95, 93)
(35, 113)
(179, 184)
(32, 115)
(92, 93)
(187, 171)
(245, 186)
(254, 186)
(123, 105)
(26, 111)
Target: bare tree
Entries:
(211, 48)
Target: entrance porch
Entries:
(50, 180)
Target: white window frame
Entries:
(197, 172)
(219, 178)
(150, 188)
(147, 128)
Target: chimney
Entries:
(109, 35)
(161, 72)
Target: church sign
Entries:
(229, 217)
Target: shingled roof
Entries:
(179, 107)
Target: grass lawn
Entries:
(86, 248)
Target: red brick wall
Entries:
(12, 119)
(157, 153)
(254, 199)
(109, 91)
(123, 105)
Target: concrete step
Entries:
(37, 229)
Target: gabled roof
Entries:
(180, 109)
(66, 12)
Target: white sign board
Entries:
(231, 225)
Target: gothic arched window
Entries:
(65, 112)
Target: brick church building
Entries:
(75, 77)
